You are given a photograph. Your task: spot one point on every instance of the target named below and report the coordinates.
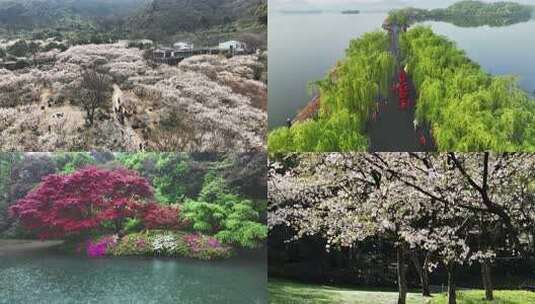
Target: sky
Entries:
(365, 4)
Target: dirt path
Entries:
(10, 247)
(133, 139)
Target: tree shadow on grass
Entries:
(281, 292)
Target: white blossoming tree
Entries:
(449, 208)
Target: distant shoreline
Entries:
(297, 12)
(17, 246)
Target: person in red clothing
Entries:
(402, 89)
(422, 139)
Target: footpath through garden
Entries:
(393, 128)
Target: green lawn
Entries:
(500, 297)
(285, 292)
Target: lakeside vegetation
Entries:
(467, 108)
(131, 204)
(467, 13)
(348, 96)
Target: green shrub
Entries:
(233, 220)
(133, 244)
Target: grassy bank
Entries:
(285, 292)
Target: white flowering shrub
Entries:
(164, 244)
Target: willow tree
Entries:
(349, 95)
(468, 109)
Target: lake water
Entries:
(52, 278)
(303, 48)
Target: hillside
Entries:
(199, 21)
(162, 19)
(64, 14)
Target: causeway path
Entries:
(393, 129)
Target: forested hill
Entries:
(165, 17)
(32, 14)
(173, 15)
(154, 19)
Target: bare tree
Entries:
(95, 90)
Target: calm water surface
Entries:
(51, 278)
(304, 47)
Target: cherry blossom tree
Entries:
(438, 204)
(74, 204)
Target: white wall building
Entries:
(183, 46)
(234, 45)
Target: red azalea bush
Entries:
(156, 216)
(64, 205)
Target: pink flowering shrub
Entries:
(164, 243)
(206, 247)
(132, 244)
(100, 248)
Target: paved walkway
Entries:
(393, 129)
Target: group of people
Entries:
(121, 112)
(402, 89)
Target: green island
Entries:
(461, 106)
(468, 13)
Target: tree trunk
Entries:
(402, 278)
(422, 273)
(452, 296)
(487, 280)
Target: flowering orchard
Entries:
(216, 103)
(453, 209)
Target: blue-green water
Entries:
(51, 278)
